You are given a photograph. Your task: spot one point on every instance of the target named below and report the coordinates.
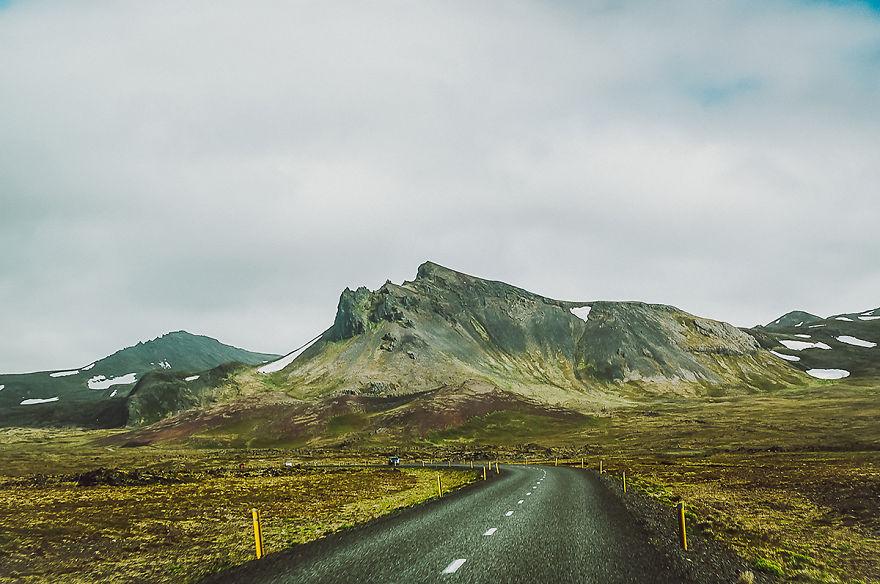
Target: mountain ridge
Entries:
(94, 393)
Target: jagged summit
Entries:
(449, 328)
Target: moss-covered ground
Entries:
(175, 515)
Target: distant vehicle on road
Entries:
(394, 461)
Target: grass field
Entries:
(790, 479)
(176, 515)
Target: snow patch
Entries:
(828, 373)
(815, 325)
(64, 373)
(786, 357)
(113, 393)
(1, 387)
(869, 318)
(32, 401)
(192, 378)
(801, 323)
(287, 359)
(801, 345)
(844, 318)
(803, 336)
(87, 367)
(101, 382)
(582, 312)
(856, 342)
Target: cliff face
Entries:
(447, 328)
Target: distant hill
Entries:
(842, 345)
(95, 394)
(793, 319)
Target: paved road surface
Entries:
(531, 524)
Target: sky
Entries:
(228, 168)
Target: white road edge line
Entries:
(454, 566)
(491, 531)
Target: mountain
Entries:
(95, 394)
(842, 345)
(428, 355)
(795, 318)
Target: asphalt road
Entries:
(530, 524)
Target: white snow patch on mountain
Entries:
(844, 318)
(869, 318)
(856, 342)
(828, 373)
(582, 312)
(286, 360)
(192, 378)
(801, 323)
(786, 357)
(64, 373)
(801, 345)
(803, 336)
(32, 401)
(113, 393)
(1, 387)
(87, 367)
(101, 382)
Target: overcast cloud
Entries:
(228, 167)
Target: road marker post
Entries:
(600, 466)
(556, 461)
(449, 462)
(624, 482)
(484, 473)
(682, 527)
(582, 462)
(496, 468)
(258, 533)
(472, 464)
(439, 486)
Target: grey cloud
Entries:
(228, 168)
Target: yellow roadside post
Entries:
(582, 463)
(682, 527)
(624, 481)
(600, 466)
(439, 486)
(496, 468)
(449, 462)
(556, 461)
(472, 464)
(484, 473)
(258, 533)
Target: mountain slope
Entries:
(446, 327)
(841, 345)
(422, 358)
(95, 395)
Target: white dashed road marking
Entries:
(491, 531)
(454, 566)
